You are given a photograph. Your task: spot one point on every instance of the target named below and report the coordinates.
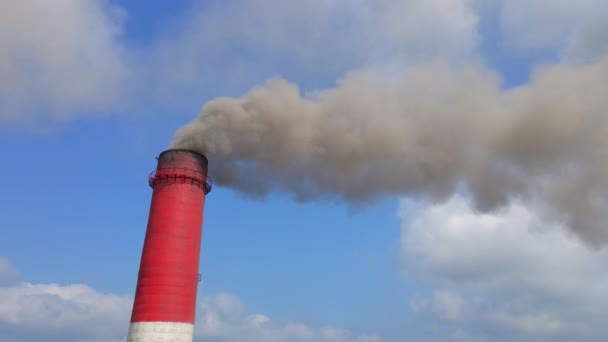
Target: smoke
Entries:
(428, 132)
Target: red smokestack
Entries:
(165, 297)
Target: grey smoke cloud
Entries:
(429, 132)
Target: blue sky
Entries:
(91, 91)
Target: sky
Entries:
(91, 91)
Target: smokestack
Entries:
(165, 297)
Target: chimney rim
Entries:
(198, 154)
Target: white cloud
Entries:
(8, 274)
(448, 305)
(223, 318)
(314, 30)
(58, 59)
(246, 41)
(69, 313)
(52, 312)
(65, 59)
(590, 42)
(414, 29)
(368, 338)
(572, 28)
(334, 334)
(507, 274)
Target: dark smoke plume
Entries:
(430, 132)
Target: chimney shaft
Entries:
(165, 297)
